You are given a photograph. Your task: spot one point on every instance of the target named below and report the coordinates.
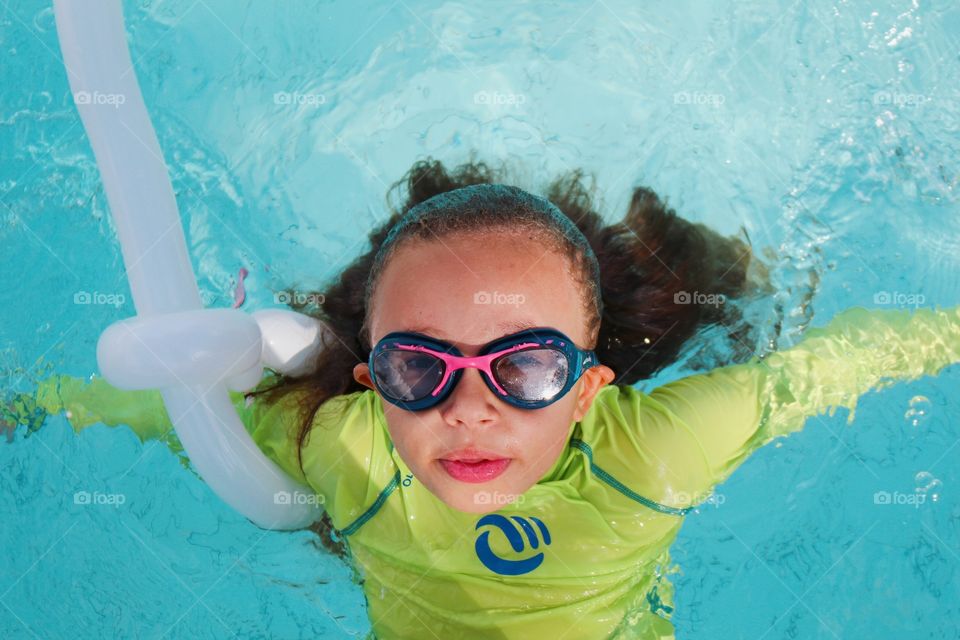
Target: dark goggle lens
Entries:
(407, 375)
(532, 375)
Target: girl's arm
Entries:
(93, 401)
(702, 427)
(347, 454)
(96, 401)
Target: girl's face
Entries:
(467, 292)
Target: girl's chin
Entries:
(479, 498)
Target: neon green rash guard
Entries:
(583, 554)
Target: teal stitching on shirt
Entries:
(372, 511)
(619, 486)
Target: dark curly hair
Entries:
(637, 281)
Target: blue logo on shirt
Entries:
(511, 567)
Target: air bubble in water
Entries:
(919, 411)
(927, 484)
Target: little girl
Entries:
(473, 431)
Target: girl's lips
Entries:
(475, 472)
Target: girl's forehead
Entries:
(470, 298)
(470, 339)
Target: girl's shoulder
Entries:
(641, 449)
(348, 455)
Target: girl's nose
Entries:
(471, 402)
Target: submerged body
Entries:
(580, 554)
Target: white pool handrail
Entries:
(192, 355)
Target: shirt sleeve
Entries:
(697, 430)
(93, 401)
(349, 458)
(347, 454)
(273, 427)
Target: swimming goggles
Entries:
(529, 369)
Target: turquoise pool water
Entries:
(828, 132)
